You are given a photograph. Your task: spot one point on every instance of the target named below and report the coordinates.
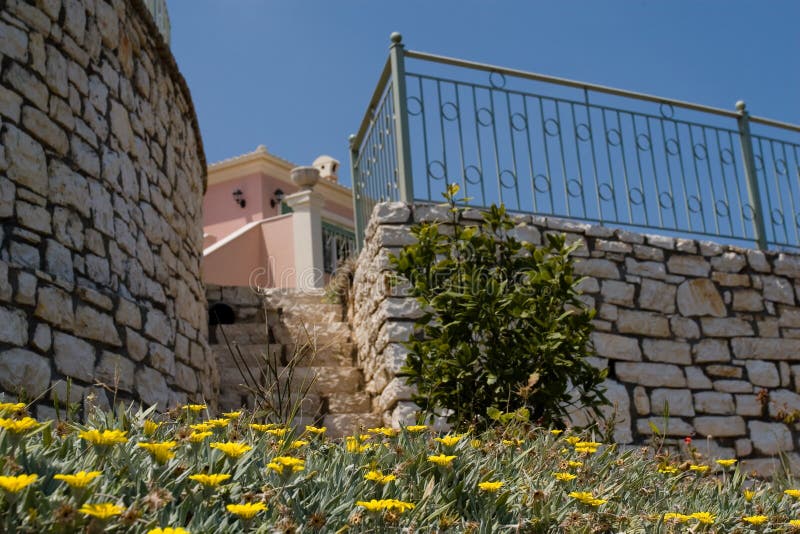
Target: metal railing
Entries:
(552, 146)
(338, 244)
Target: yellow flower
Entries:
(794, 523)
(556, 431)
(232, 415)
(278, 432)
(12, 406)
(289, 462)
(572, 440)
(699, 468)
(149, 427)
(587, 498)
(378, 477)
(197, 437)
(195, 407)
(102, 510)
(385, 504)
(261, 428)
(201, 427)
(168, 530)
(353, 444)
(511, 442)
(748, 495)
(104, 438)
(793, 493)
(727, 463)
(416, 428)
(80, 479)
(449, 441)
(491, 487)
(19, 426)
(316, 429)
(679, 518)
(755, 519)
(17, 483)
(162, 452)
(441, 459)
(475, 443)
(565, 477)
(296, 444)
(211, 480)
(668, 469)
(217, 423)
(248, 510)
(573, 463)
(231, 449)
(389, 432)
(704, 517)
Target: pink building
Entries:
(269, 223)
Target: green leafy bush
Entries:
(503, 328)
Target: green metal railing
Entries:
(551, 146)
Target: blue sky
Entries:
(296, 75)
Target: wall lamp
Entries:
(277, 199)
(238, 197)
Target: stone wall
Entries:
(102, 174)
(710, 333)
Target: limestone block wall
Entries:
(709, 334)
(102, 174)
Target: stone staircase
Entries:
(309, 339)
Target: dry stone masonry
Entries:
(699, 339)
(102, 175)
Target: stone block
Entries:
(788, 265)
(711, 350)
(73, 356)
(55, 306)
(729, 262)
(762, 373)
(700, 297)
(661, 350)
(152, 387)
(13, 326)
(766, 348)
(643, 323)
(758, 261)
(684, 327)
(696, 378)
(749, 406)
(650, 374)
(713, 402)
(671, 426)
(778, 289)
(115, 371)
(597, 268)
(672, 402)
(724, 371)
(186, 377)
(648, 269)
(726, 327)
(688, 265)
(658, 296)
(162, 358)
(783, 402)
(616, 347)
(391, 213)
(770, 438)
(23, 371)
(747, 300)
(720, 427)
(26, 159)
(616, 292)
(733, 386)
(94, 324)
(641, 401)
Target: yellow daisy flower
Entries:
(386, 504)
(727, 463)
(247, 510)
(211, 480)
(389, 432)
(197, 437)
(748, 495)
(161, 452)
(195, 407)
(490, 487)
(12, 406)
(104, 438)
(14, 484)
(149, 427)
(755, 519)
(168, 530)
(793, 493)
(704, 517)
(565, 477)
(80, 479)
(19, 426)
(316, 429)
(231, 449)
(232, 415)
(378, 477)
(103, 510)
(416, 428)
(449, 441)
(699, 468)
(441, 459)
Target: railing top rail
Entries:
(591, 87)
(373, 102)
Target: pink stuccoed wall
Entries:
(260, 254)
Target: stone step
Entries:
(251, 354)
(242, 333)
(336, 354)
(314, 313)
(327, 380)
(350, 424)
(349, 403)
(319, 334)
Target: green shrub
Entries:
(503, 328)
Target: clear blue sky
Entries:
(296, 75)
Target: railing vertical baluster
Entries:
(750, 173)
(402, 141)
(357, 194)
